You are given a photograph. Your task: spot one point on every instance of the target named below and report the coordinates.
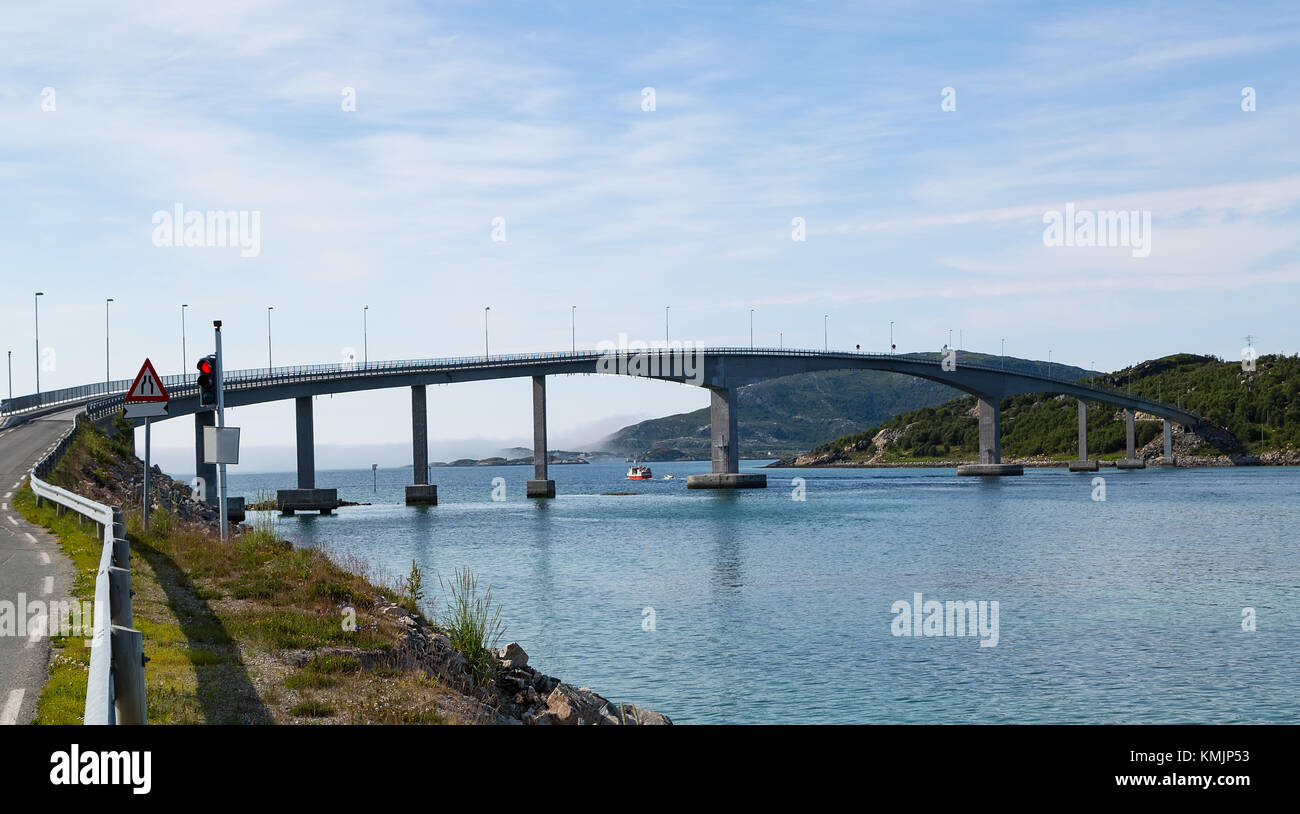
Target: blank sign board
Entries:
(220, 445)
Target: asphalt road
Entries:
(31, 565)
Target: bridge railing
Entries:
(115, 688)
(109, 393)
(74, 395)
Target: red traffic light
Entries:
(205, 366)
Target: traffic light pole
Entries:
(221, 422)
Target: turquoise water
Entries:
(772, 610)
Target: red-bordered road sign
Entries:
(147, 386)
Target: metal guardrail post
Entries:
(119, 596)
(128, 675)
(121, 554)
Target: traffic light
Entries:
(207, 381)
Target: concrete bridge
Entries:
(722, 371)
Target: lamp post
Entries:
(891, 337)
(107, 377)
(486, 308)
(666, 308)
(573, 328)
(11, 376)
(184, 351)
(751, 329)
(1004, 352)
(365, 337)
(269, 309)
(37, 300)
(826, 343)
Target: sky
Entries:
(835, 167)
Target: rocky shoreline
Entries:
(1190, 449)
(519, 694)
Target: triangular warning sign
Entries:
(147, 386)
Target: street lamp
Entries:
(184, 351)
(11, 378)
(751, 329)
(486, 308)
(826, 343)
(573, 327)
(365, 337)
(1004, 352)
(666, 307)
(107, 377)
(269, 309)
(38, 340)
(891, 337)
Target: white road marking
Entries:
(11, 520)
(9, 715)
(45, 558)
(47, 586)
(8, 495)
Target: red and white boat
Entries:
(638, 472)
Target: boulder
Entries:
(513, 654)
(568, 705)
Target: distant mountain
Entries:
(796, 413)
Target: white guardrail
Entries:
(115, 686)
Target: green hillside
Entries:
(1252, 413)
(789, 415)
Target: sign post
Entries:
(146, 399)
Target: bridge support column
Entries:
(724, 439)
(422, 493)
(306, 426)
(207, 472)
(306, 497)
(540, 485)
(1083, 464)
(990, 463)
(1131, 461)
(1168, 459)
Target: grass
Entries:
(313, 708)
(473, 622)
(220, 620)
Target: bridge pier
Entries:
(724, 439)
(306, 497)
(540, 485)
(421, 493)
(1083, 464)
(208, 472)
(1131, 461)
(990, 463)
(1168, 459)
